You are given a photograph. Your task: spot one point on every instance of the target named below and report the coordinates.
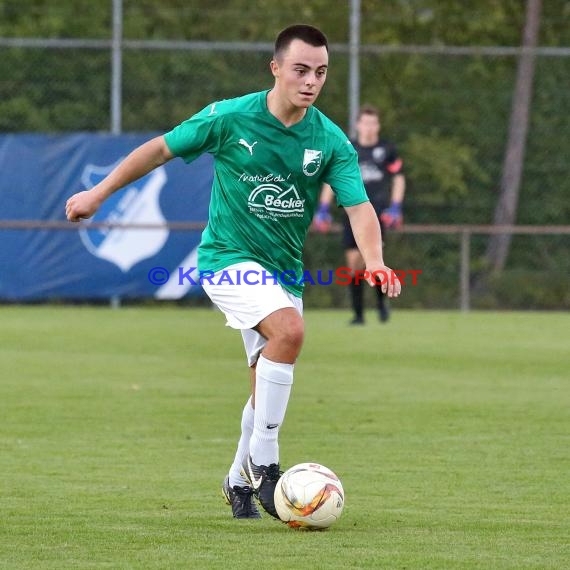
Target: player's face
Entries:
(368, 127)
(300, 73)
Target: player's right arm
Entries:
(368, 236)
(141, 161)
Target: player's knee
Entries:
(292, 335)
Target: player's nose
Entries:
(310, 79)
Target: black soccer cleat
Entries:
(241, 501)
(263, 480)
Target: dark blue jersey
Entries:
(378, 164)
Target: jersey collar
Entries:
(297, 127)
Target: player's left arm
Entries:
(368, 237)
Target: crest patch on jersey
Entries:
(378, 154)
(312, 161)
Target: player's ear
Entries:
(274, 66)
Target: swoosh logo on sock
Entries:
(272, 426)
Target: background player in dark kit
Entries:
(382, 173)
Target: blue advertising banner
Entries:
(38, 173)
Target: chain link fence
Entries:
(444, 103)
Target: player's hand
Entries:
(392, 217)
(385, 278)
(82, 205)
(323, 219)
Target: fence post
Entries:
(117, 67)
(354, 66)
(464, 272)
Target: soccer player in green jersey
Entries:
(273, 151)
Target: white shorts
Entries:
(246, 294)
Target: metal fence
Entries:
(458, 283)
(138, 66)
(116, 54)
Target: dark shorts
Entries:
(348, 238)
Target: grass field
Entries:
(450, 432)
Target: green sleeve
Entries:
(197, 135)
(343, 175)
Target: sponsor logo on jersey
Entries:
(272, 201)
(312, 161)
(256, 178)
(370, 172)
(137, 203)
(249, 147)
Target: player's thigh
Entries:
(245, 295)
(246, 299)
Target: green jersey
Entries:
(267, 181)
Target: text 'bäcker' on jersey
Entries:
(273, 196)
(277, 196)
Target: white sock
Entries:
(273, 381)
(243, 445)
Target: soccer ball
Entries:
(310, 496)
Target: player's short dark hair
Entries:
(369, 110)
(308, 34)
